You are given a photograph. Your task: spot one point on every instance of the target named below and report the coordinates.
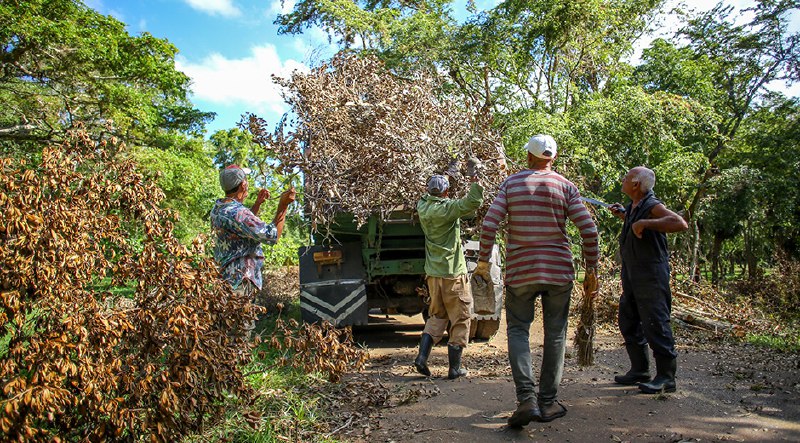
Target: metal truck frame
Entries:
(351, 271)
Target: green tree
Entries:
(63, 63)
(518, 54)
(725, 66)
(771, 145)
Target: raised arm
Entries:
(466, 205)
(287, 197)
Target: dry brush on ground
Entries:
(76, 367)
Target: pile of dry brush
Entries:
(367, 140)
(73, 368)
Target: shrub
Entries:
(77, 367)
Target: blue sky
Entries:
(230, 48)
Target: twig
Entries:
(419, 431)
(349, 420)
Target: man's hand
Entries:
(263, 194)
(452, 169)
(474, 167)
(618, 210)
(482, 270)
(590, 286)
(287, 197)
(638, 228)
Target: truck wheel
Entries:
(485, 329)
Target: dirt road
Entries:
(726, 392)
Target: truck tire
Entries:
(484, 329)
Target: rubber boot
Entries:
(421, 362)
(640, 366)
(665, 377)
(454, 358)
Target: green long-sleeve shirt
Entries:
(440, 220)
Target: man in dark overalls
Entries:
(646, 302)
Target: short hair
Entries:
(646, 178)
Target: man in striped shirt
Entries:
(537, 203)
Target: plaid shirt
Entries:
(239, 234)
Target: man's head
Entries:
(438, 185)
(542, 150)
(232, 177)
(638, 181)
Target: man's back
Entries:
(440, 220)
(537, 205)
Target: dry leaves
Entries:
(367, 140)
(77, 368)
(317, 347)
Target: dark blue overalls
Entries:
(646, 302)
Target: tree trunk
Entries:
(694, 275)
(715, 265)
(751, 260)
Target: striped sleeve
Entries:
(491, 222)
(583, 221)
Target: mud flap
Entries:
(333, 288)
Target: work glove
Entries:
(482, 270)
(474, 167)
(452, 169)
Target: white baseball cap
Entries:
(542, 146)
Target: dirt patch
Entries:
(727, 391)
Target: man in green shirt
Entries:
(446, 269)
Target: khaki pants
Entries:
(451, 300)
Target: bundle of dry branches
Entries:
(584, 335)
(366, 140)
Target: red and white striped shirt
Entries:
(538, 204)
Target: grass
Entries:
(789, 343)
(287, 403)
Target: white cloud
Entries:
(277, 8)
(215, 7)
(245, 82)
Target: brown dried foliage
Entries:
(367, 140)
(76, 369)
(584, 333)
(317, 347)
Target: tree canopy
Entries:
(63, 63)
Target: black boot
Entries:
(421, 363)
(640, 366)
(454, 358)
(665, 376)
(526, 412)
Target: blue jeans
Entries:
(520, 307)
